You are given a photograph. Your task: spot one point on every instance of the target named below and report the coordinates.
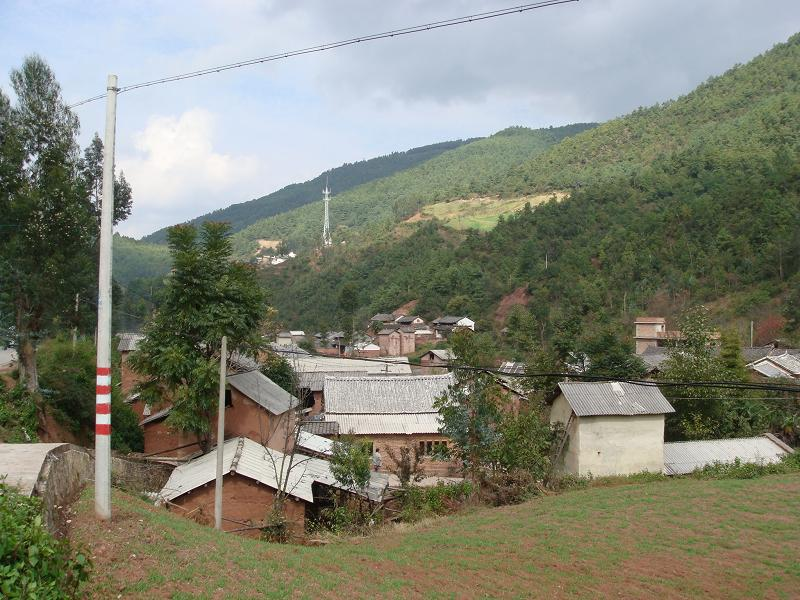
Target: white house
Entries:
(612, 428)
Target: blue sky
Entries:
(190, 147)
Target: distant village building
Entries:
(367, 349)
(611, 428)
(382, 319)
(252, 474)
(396, 341)
(444, 326)
(778, 364)
(410, 320)
(392, 413)
(437, 358)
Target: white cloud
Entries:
(176, 173)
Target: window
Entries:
(228, 398)
(432, 447)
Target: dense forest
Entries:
(693, 200)
(341, 179)
(475, 168)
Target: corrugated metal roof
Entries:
(766, 368)
(684, 457)
(301, 363)
(365, 424)
(384, 395)
(445, 354)
(262, 390)
(314, 443)
(250, 459)
(614, 398)
(788, 362)
(315, 381)
(128, 341)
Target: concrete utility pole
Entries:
(102, 428)
(223, 354)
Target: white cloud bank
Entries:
(176, 173)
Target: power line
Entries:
(483, 16)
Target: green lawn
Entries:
(480, 213)
(667, 539)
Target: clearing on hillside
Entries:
(479, 213)
(667, 539)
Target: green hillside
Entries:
(293, 196)
(693, 200)
(683, 538)
(474, 168)
(134, 259)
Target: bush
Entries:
(419, 502)
(744, 470)
(33, 563)
(511, 487)
(18, 422)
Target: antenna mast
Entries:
(326, 225)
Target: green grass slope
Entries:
(672, 539)
(292, 196)
(473, 168)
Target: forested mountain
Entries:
(293, 196)
(693, 200)
(474, 168)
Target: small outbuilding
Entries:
(252, 475)
(681, 458)
(611, 428)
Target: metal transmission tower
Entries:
(326, 225)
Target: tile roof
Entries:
(128, 341)
(321, 427)
(384, 395)
(512, 368)
(613, 398)
(684, 457)
(383, 318)
(650, 320)
(262, 390)
(443, 354)
(447, 320)
(332, 364)
(250, 459)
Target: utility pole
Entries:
(102, 427)
(75, 328)
(223, 354)
(751, 334)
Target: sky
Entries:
(194, 146)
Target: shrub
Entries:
(744, 470)
(18, 422)
(418, 502)
(33, 563)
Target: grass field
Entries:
(669, 539)
(480, 213)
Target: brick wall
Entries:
(395, 442)
(243, 501)
(243, 418)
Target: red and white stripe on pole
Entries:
(102, 424)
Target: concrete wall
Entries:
(64, 472)
(243, 501)
(559, 413)
(620, 445)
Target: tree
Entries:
(608, 355)
(471, 409)
(91, 168)
(350, 463)
(48, 233)
(205, 297)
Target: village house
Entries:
(255, 407)
(367, 349)
(783, 364)
(444, 326)
(437, 358)
(392, 412)
(250, 482)
(611, 428)
(396, 341)
(414, 321)
(382, 319)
